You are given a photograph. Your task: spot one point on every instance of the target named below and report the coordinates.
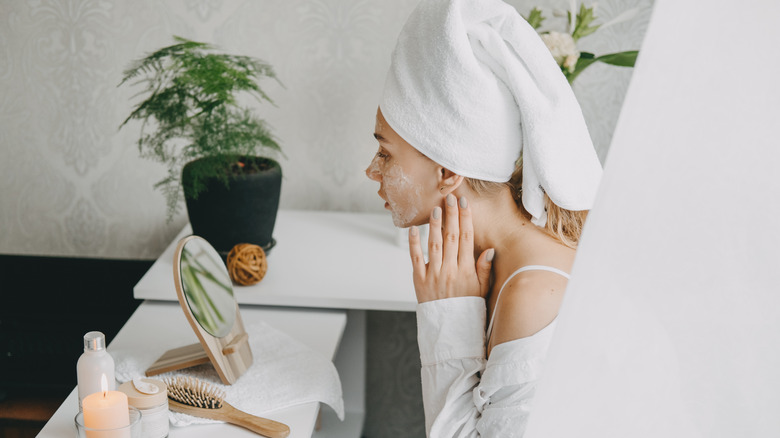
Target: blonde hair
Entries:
(563, 225)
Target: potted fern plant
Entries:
(217, 152)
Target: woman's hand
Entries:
(451, 270)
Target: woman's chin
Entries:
(399, 223)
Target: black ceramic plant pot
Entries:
(243, 212)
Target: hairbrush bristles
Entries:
(191, 391)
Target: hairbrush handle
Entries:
(263, 426)
(229, 414)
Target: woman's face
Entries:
(408, 180)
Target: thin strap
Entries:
(523, 269)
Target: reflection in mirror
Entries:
(207, 287)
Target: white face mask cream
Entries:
(402, 194)
(401, 172)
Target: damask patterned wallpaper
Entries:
(72, 184)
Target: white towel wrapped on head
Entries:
(473, 87)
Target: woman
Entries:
(481, 137)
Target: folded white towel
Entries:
(472, 86)
(284, 373)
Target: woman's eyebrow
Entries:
(379, 137)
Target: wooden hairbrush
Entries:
(189, 395)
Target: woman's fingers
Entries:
(435, 240)
(466, 240)
(451, 231)
(451, 270)
(484, 264)
(416, 253)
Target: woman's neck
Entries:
(499, 224)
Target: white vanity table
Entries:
(325, 271)
(322, 259)
(165, 324)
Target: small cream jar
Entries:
(149, 396)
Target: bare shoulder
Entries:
(529, 302)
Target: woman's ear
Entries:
(448, 181)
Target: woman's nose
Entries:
(372, 172)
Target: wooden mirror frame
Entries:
(230, 355)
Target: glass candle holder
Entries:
(132, 430)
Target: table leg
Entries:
(350, 362)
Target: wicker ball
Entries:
(247, 264)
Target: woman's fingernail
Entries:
(491, 252)
(413, 231)
(451, 200)
(436, 212)
(463, 202)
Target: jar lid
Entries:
(140, 399)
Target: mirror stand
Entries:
(229, 354)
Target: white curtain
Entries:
(671, 323)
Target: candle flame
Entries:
(104, 384)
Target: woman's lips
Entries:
(387, 204)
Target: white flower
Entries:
(563, 48)
(571, 62)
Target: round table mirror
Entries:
(207, 287)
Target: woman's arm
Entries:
(463, 394)
(450, 318)
(451, 336)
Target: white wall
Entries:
(71, 184)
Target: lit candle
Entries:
(106, 410)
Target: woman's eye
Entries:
(381, 155)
